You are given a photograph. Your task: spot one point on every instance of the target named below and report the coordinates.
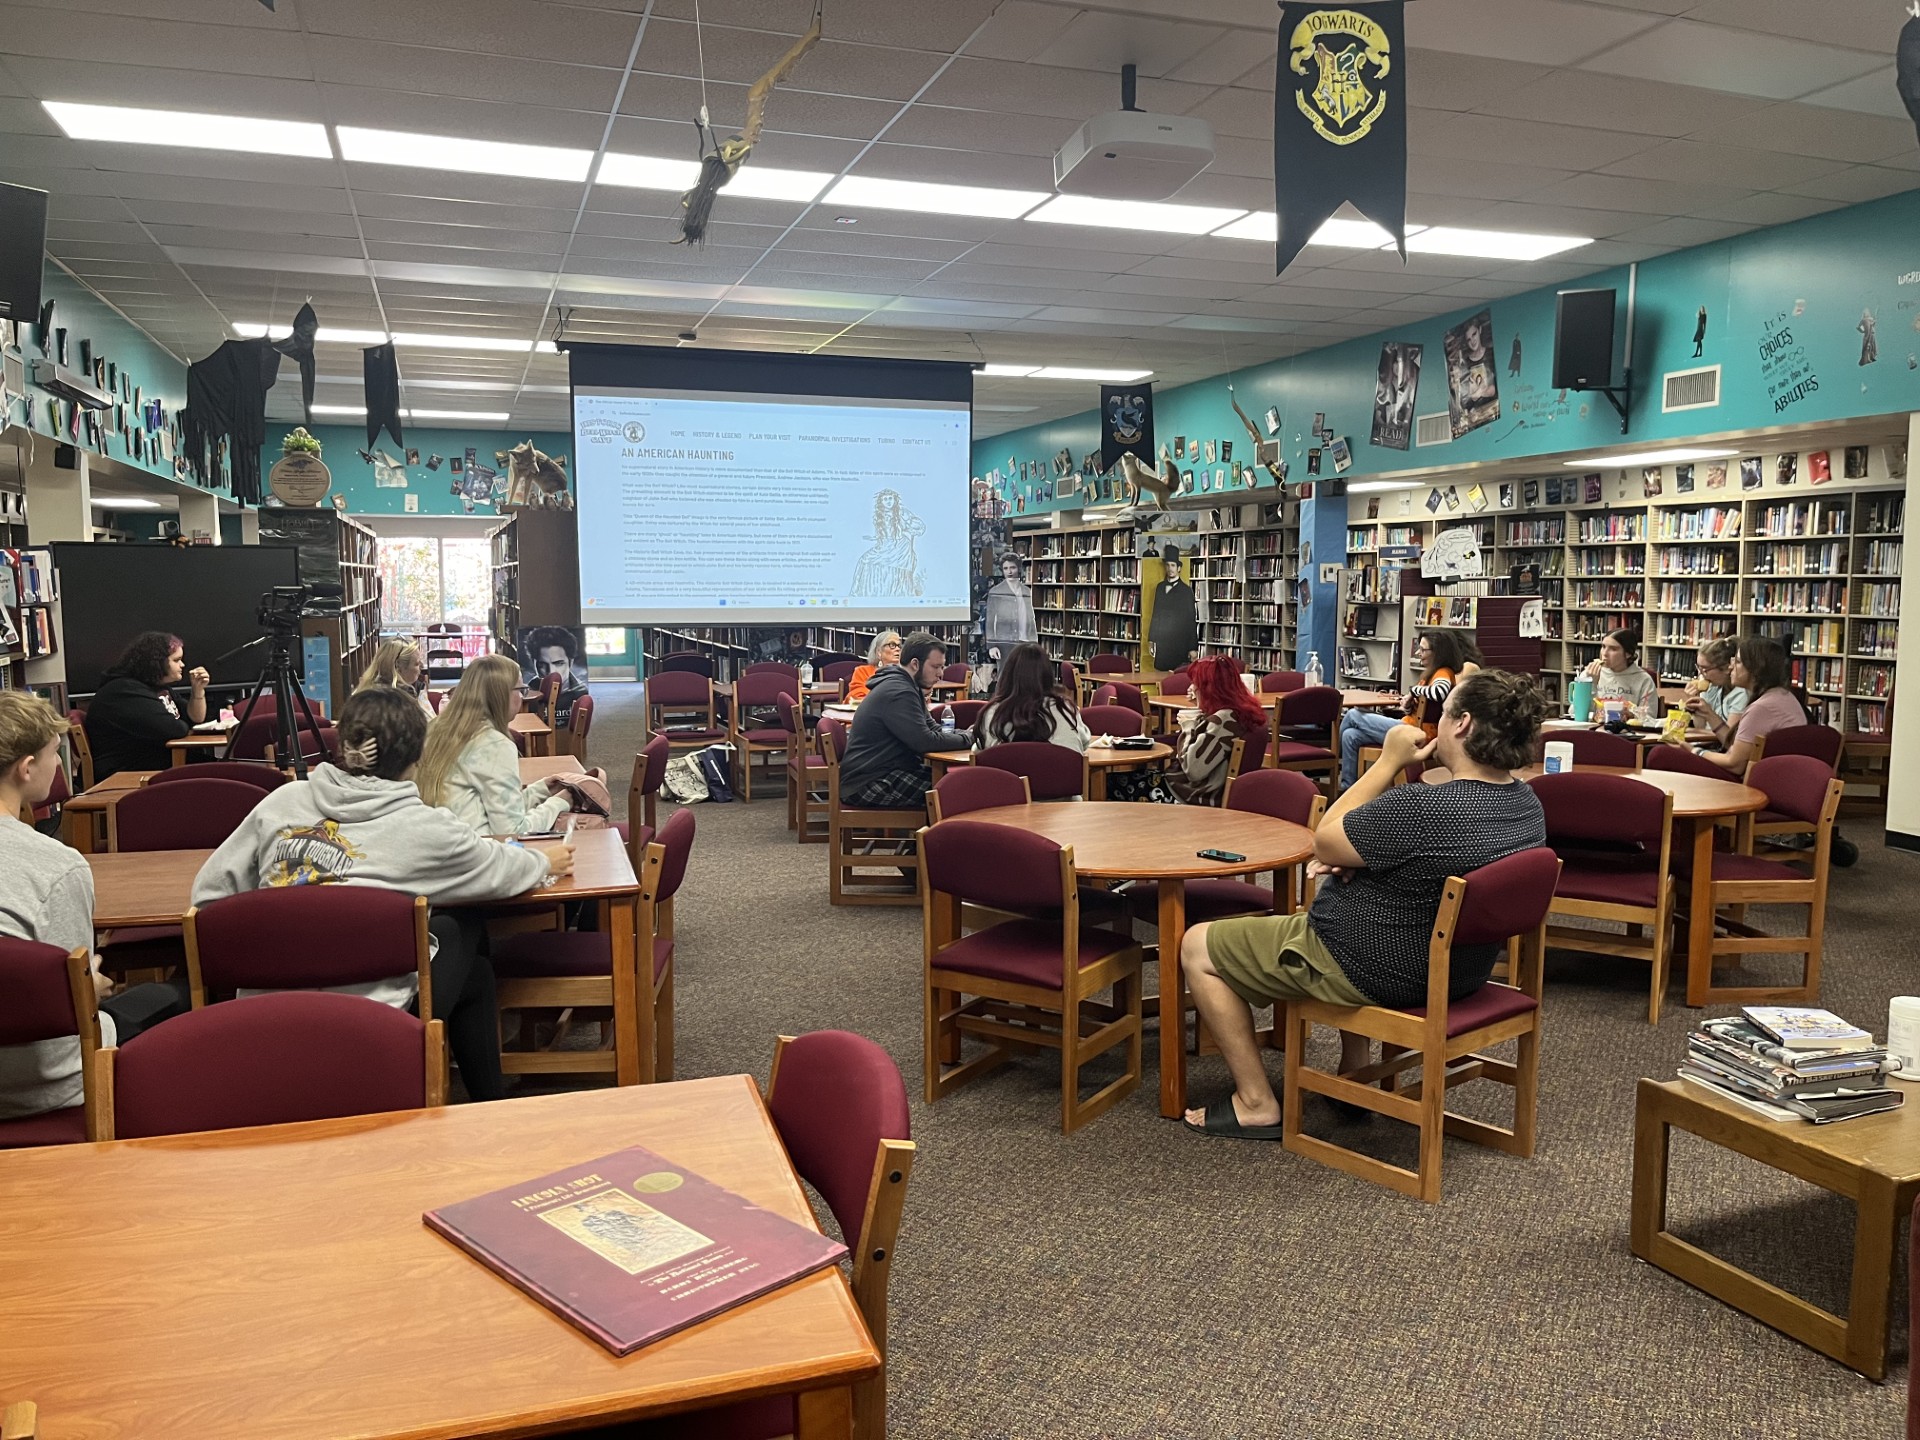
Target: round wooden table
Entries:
(1698, 802)
(1115, 841)
(1101, 761)
(1371, 700)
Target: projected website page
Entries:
(707, 507)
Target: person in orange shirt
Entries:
(884, 651)
(1445, 657)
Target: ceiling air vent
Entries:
(1690, 389)
(1435, 429)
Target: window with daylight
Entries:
(425, 580)
(607, 640)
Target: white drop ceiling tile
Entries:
(1400, 308)
(1076, 95)
(1340, 291)
(433, 211)
(65, 236)
(1232, 110)
(1857, 184)
(1690, 162)
(1534, 142)
(995, 131)
(1442, 80)
(533, 28)
(1802, 129)
(1682, 231)
(1231, 59)
(1542, 32)
(879, 22)
(1533, 217)
(1649, 197)
(150, 190)
(254, 219)
(1020, 29)
(1620, 103)
(848, 240)
(446, 71)
(465, 237)
(1257, 269)
(455, 185)
(154, 43)
(177, 165)
(1067, 260)
(479, 117)
(866, 267)
(1120, 300)
(955, 165)
(1857, 24)
(1871, 94)
(833, 67)
(1765, 209)
(1683, 53)
(1049, 281)
(1237, 155)
(1062, 243)
(1104, 41)
(1478, 179)
(62, 205)
(792, 152)
(1421, 271)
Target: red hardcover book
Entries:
(631, 1247)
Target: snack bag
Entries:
(1675, 730)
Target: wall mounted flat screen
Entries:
(205, 594)
(739, 488)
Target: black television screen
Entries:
(205, 594)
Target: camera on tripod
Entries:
(282, 608)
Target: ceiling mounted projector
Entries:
(1129, 154)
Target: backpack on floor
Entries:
(716, 768)
(684, 783)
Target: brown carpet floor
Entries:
(1137, 1280)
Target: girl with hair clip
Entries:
(1617, 675)
(472, 767)
(399, 664)
(1028, 704)
(361, 821)
(1223, 712)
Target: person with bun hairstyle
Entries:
(1383, 854)
(361, 821)
(1223, 712)
(1760, 669)
(1617, 675)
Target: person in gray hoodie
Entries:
(885, 765)
(362, 822)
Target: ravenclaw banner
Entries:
(1126, 424)
(1339, 120)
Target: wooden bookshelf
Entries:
(338, 550)
(1369, 653)
(1245, 577)
(1086, 589)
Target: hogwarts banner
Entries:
(1339, 120)
(1126, 424)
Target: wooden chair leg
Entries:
(663, 1028)
(1433, 1122)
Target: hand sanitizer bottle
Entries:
(1315, 676)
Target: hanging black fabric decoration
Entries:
(298, 347)
(227, 399)
(382, 373)
(1126, 424)
(1906, 67)
(1339, 120)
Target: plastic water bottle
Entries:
(806, 672)
(946, 717)
(1315, 676)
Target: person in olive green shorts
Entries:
(1383, 854)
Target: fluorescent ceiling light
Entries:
(500, 415)
(329, 335)
(1074, 372)
(1368, 487)
(1008, 370)
(1350, 234)
(326, 335)
(1007, 409)
(125, 502)
(926, 198)
(1133, 215)
(1491, 244)
(1647, 457)
(754, 182)
(339, 409)
(451, 152)
(197, 131)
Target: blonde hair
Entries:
(384, 669)
(483, 700)
(27, 723)
(880, 642)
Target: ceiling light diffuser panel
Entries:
(927, 198)
(1133, 215)
(126, 126)
(449, 152)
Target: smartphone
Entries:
(1227, 856)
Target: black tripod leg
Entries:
(259, 686)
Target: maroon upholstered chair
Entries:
(839, 673)
(1818, 742)
(1043, 971)
(1613, 835)
(967, 713)
(1803, 790)
(1113, 719)
(579, 722)
(1053, 771)
(189, 814)
(1284, 795)
(1253, 753)
(755, 727)
(271, 1060)
(49, 996)
(775, 667)
(1300, 734)
(1108, 663)
(256, 735)
(689, 662)
(806, 775)
(1276, 681)
(546, 692)
(679, 705)
(1598, 747)
(307, 937)
(82, 750)
(643, 790)
(1119, 692)
(57, 794)
(1682, 761)
(249, 772)
(1175, 683)
(956, 673)
(573, 969)
(871, 855)
(966, 788)
(1496, 905)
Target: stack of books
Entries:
(1790, 1060)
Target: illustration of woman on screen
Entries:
(890, 567)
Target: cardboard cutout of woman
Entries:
(1009, 618)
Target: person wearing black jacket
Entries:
(885, 766)
(133, 714)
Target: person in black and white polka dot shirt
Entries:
(1383, 853)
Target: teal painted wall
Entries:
(1784, 311)
(355, 478)
(154, 375)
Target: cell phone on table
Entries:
(1227, 856)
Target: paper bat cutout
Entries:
(1276, 468)
(388, 471)
(723, 161)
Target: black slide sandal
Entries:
(1220, 1121)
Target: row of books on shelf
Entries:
(29, 577)
(1799, 559)
(1877, 637)
(1447, 612)
(1827, 597)
(1695, 560)
(1879, 601)
(1804, 517)
(1601, 563)
(1880, 557)
(1788, 1061)
(1713, 522)
(1872, 680)
(1357, 664)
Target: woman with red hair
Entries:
(1224, 711)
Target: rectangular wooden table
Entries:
(1875, 1161)
(83, 817)
(275, 1283)
(152, 887)
(182, 750)
(539, 734)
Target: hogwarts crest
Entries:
(1352, 55)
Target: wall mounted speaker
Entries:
(23, 251)
(1583, 340)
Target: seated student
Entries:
(1759, 668)
(470, 764)
(1224, 711)
(1445, 658)
(884, 651)
(1617, 675)
(400, 664)
(133, 714)
(362, 822)
(1028, 704)
(1383, 852)
(893, 731)
(1713, 700)
(48, 896)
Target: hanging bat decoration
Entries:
(389, 471)
(1159, 484)
(534, 479)
(1906, 65)
(1275, 467)
(721, 161)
